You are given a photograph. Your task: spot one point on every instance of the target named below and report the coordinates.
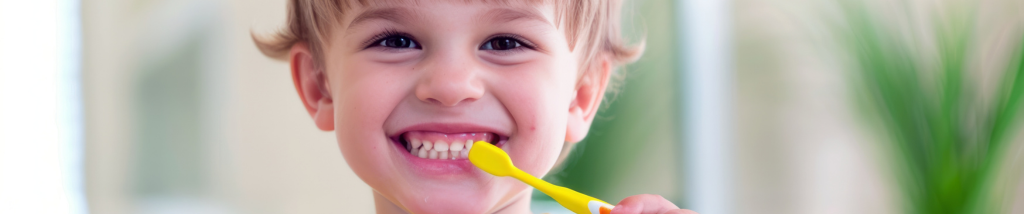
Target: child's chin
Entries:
(450, 202)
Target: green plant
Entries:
(947, 136)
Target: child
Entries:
(409, 85)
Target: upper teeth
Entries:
(440, 148)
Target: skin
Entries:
(534, 94)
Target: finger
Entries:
(680, 211)
(645, 203)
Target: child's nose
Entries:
(449, 81)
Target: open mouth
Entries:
(443, 146)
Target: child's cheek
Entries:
(539, 101)
(364, 95)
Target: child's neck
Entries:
(519, 204)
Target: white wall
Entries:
(263, 153)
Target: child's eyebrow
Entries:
(398, 14)
(508, 15)
(394, 14)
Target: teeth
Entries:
(427, 145)
(441, 146)
(456, 147)
(416, 143)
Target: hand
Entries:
(648, 204)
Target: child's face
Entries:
(448, 71)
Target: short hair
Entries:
(592, 25)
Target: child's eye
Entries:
(503, 43)
(397, 42)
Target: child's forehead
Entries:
(350, 4)
(354, 7)
(356, 11)
(500, 11)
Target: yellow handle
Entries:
(568, 198)
(492, 159)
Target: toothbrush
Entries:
(493, 160)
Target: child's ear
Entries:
(587, 100)
(308, 82)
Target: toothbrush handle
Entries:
(568, 198)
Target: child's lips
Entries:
(444, 169)
(424, 140)
(452, 128)
(449, 146)
(444, 146)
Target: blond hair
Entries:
(592, 25)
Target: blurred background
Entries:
(742, 106)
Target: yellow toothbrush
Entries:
(493, 160)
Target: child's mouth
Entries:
(436, 145)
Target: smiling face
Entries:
(408, 85)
